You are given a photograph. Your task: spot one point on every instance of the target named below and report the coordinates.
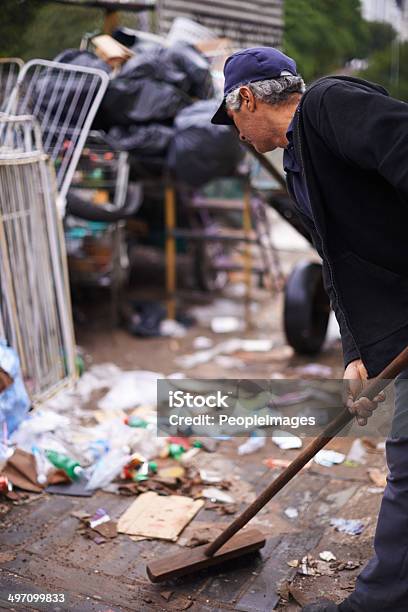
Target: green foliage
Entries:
(16, 15)
(56, 27)
(382, 70)
(323, 34)
(40, 29)
(380, 36)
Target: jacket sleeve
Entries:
(367, 129)
(350, 351)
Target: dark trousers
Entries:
(383, 584)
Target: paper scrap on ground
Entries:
(273, 463)
(216, 495)
(173, 471)
(158, 516)
(202, 342)
(291, 512)
(327, 555)
(286, 440)
(228, 347)
(210, 476)
(315, 370)
(357, 452)
(349, 526)
(224, 325)
(172, 329)
(308, 566)
(378, 477)
(328, 458)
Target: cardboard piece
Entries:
(21, 471)
(5, 380)
(378, 477)
(107, 530)
(111, 51)
(156, 516)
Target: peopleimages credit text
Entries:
(248, 422)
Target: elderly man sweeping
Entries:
(345, 144)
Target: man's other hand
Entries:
(356, 374)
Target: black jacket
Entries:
(352, 140)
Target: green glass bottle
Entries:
(71, 467)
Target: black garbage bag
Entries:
(196, 67)
(150, 139)
(156, 63)
(155, 84)
(145, 167)
(181, 65)
(125, 36)
(143, 318)
(201, 151)
(131, 100)
(146, 318)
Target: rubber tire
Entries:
(306, 308)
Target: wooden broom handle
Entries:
(372, 389)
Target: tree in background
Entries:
(35, 28)
(381, 70)
(55, 27)
(324, 34)
(16, 16)
(380, 35)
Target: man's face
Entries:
(258, 124)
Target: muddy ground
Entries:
(44, 549)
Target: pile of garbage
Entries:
(101, 434)
(158, 107)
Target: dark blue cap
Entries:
(249, 66)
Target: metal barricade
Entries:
(64, 99)
(35, 299)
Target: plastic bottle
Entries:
(146, 469)
(135, 421)
(176, 450)
(96, 449)
(108, 468)
(42, 464)
(71, 467)
(153, 467)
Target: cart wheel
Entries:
(307, 308)
(205, 256)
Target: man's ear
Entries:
(247, 98)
